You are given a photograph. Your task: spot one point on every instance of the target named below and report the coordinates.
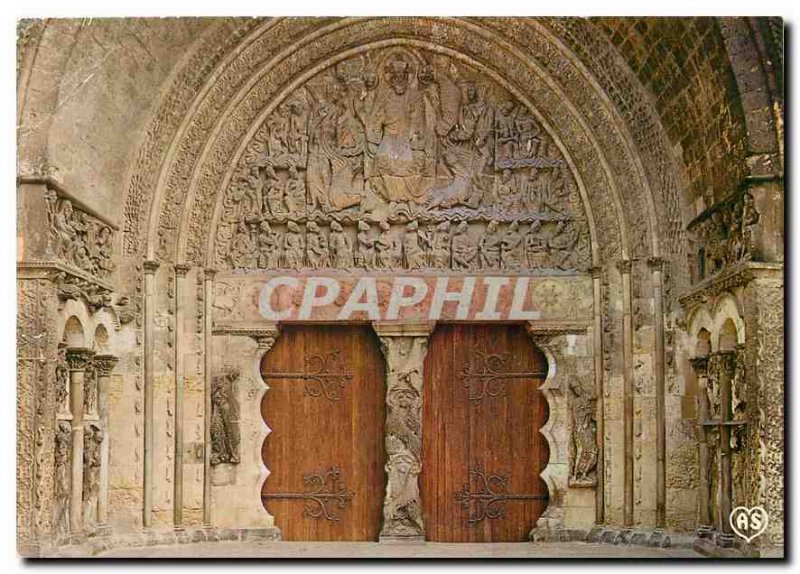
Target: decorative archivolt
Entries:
(402, 158)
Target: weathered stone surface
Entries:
(628, 172)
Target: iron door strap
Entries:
(327, 493)
(487, 496)
(324, 375)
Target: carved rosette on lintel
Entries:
(404, 348)
(573, 461)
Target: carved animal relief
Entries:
(402, 159)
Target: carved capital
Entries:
(210, 273)
(266, 340)
(700, 365)
(78, 359)
(596, 271)
(181, 269)
(656, 263)
(105, 364)
(625, 266)
(150, 266)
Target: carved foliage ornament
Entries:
(402, 159)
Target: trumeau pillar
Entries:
(105, 365)
(180, 283)
(624, 267)
(77, 360)
(150, 268)
(404, 348)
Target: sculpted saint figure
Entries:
(295, 193)
(414, 256)
(506, 133)
(537, 251)
(383, 246)
(335, 151)
(365, 247)
(65, 233)
(584, 429)
(508, 194)
(316, 247)
(440, 252)
(464, 250)
(269, 247)
(563, 245)
(274, 192)
(490, 247)
(398, 135)
(293, 247)
(243, 253)
(511, 248)
(340, 247)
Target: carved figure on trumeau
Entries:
(402, 512)
(583, 439)
(63, 476)
(90, 389)
(341, 247)
(413, 139)
(224, 419)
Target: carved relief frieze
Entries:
(723, 235)
(77, 237)
(93, 439)
(400, 158)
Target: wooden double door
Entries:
(482, 452)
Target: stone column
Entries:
(150, 268)
(597, 350)
(180, 281)
(208, 381)
(725, 365)
(700, 366)
(105, 365)
(77, 360)
(404, 347)
(656, 266)
(624, 267)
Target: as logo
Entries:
(749, 523)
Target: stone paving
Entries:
(398, 550)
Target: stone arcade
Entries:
(468, 280)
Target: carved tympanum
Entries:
(224, 419)
(401, 158)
